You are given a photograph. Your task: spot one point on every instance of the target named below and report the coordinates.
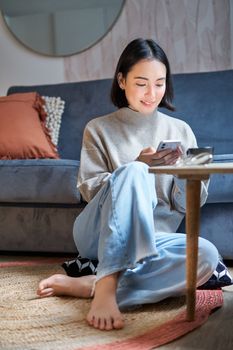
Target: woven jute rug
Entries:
(27, 322)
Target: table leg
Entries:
(193, 187)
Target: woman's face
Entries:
(144, 85)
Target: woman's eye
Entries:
(138, 84)
(159, 85)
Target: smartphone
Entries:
(173, 144)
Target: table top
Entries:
(206, 169)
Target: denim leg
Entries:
(164, 276)
(117, 226)
(86, 230)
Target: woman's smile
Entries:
(148, 103)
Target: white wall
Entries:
(20, 66)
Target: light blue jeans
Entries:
(117, 228)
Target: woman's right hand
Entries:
(165, 157)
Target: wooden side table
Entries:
(193, 176)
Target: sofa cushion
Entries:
(23, 133)
(39, 181)
(220, 278)
(83, 101)
(221, 185)
(54, 108)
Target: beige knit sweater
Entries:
(116, 139)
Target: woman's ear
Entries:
(121, 81)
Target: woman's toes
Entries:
(102, 324)
(42, 285)
(95, 322)
(108, 325)
(47, 292)
(118, 323)
(90, 320)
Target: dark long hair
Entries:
(137, 50)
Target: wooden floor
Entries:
(215, 334)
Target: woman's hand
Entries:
(165, 157)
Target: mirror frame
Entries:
(87, 47)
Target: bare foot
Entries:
(64, 285)
(104, 313)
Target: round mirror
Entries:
(60, 27)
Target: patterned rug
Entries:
(27, 322)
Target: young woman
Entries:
(131, 218)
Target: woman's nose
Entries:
(151, 92)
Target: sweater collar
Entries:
(130, 116)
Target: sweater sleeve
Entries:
(178, 190)
(93, 171)
(179, 194)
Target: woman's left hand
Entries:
(165, 157)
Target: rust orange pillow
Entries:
(23, 133)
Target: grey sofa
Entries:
(39, 200)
